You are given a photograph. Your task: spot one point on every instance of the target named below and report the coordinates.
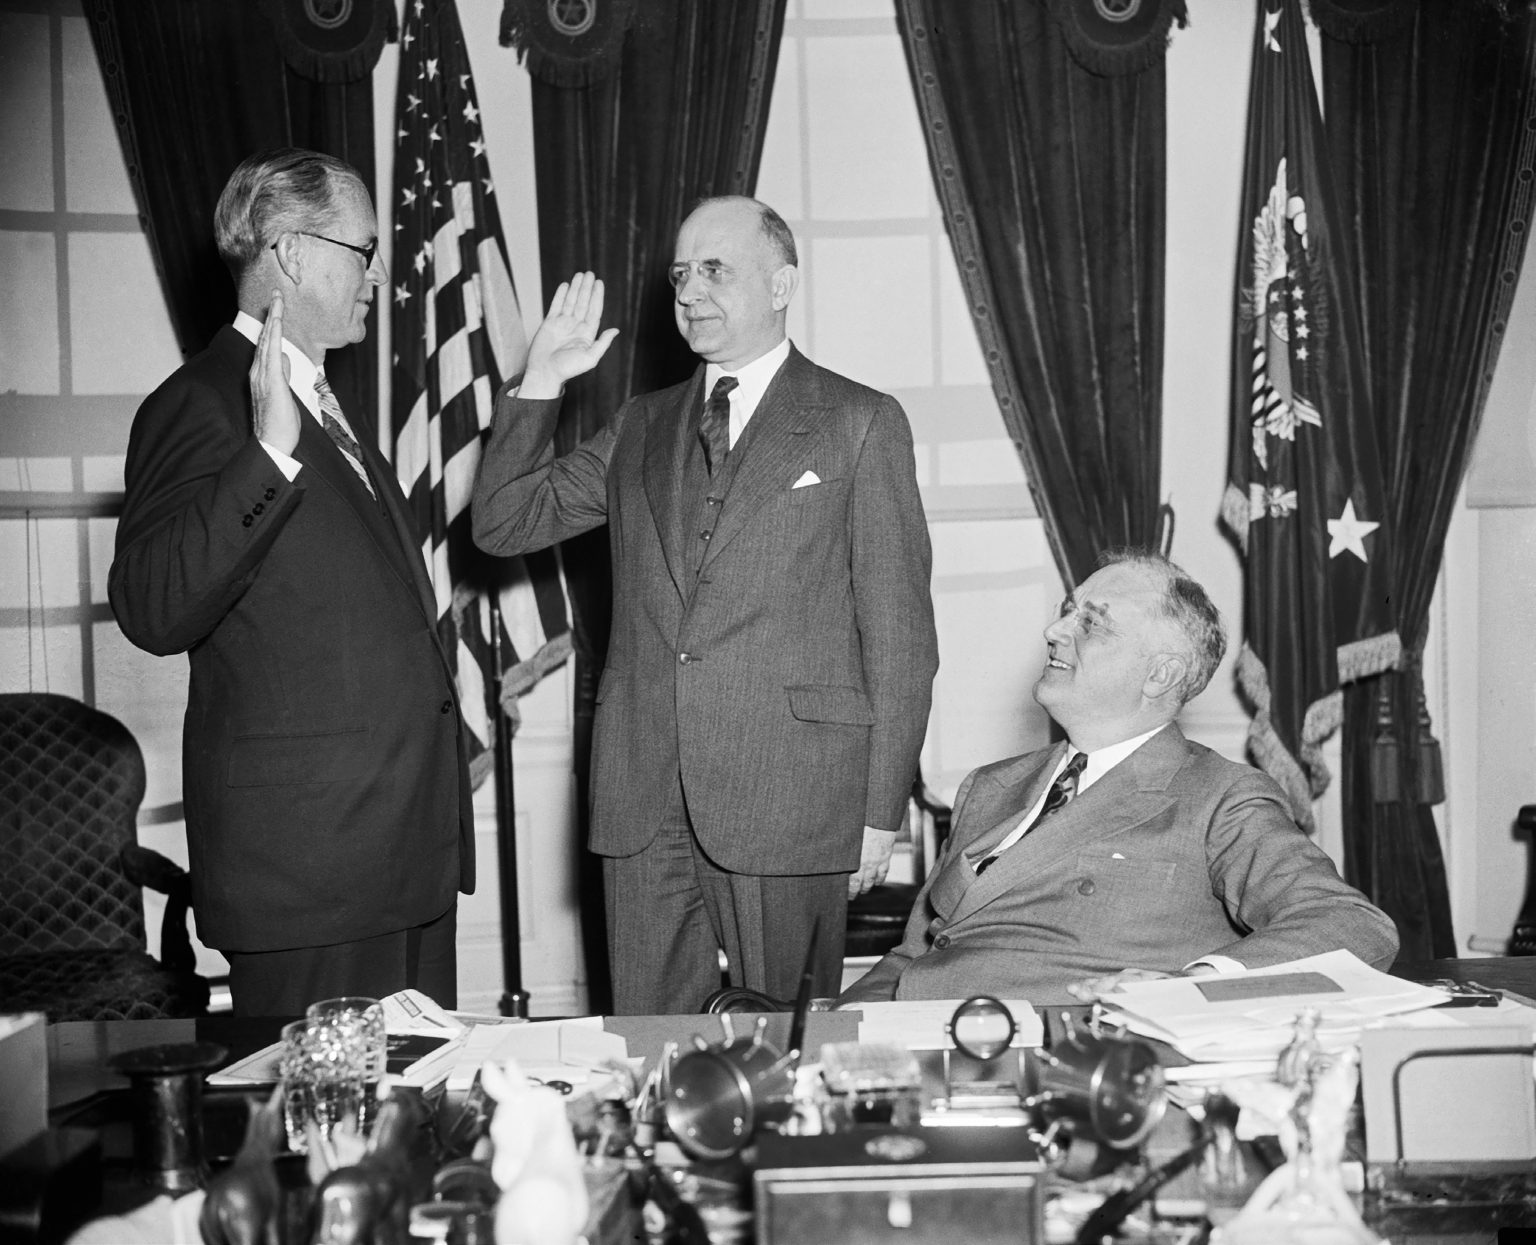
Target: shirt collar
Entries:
(301, 368)
(1103, 760)
(752, 380)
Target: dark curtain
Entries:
(619, 161)
(196, 86)
(1431, 120)
(1051, 177)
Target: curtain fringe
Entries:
(1109, 60)
(341, 65)
(1363, 21)
(524, 26)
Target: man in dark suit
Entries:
(1126, 852)
(773, 650)
(327, 802)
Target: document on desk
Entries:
(1251, 1015)
(423, 1040)
(577, 1052)
(923, 1024)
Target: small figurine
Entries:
(543, 1190)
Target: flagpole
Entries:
(514, 999)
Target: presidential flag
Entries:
(1305, 494)
(458, 334)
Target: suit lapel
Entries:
(782, 430)
(1131, 793)
(316, 451)
(666, 458)
(995, 810)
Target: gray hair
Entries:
(1186, 604)
(271, 193)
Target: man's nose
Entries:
(378, 274)
(1057, 631)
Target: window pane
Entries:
(29, 312)
(95, 177)
(120, 328)
(26, 149)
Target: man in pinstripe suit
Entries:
(773, 649)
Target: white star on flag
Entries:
(1348, 533)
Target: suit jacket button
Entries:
(684, 658)
(258, 508)
(246, 521)
(447, 706)
(705, 535)
(270, 494)
(1086, 887)
(941, 941)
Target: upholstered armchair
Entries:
(72, 940)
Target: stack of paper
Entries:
(424, 1041)
(1251, 1016)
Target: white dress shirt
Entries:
(751, 383)
(301, 379)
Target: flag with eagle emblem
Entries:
(457, 335)
(1304, 496)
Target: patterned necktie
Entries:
(715, 425)
(1062, 791)
(330, 420)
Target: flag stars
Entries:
(413, 102)
(433, 136)
(1347, 533)
(1301, 353)
(401, 294)
(407, 38)
(463, 82)
(471, 113)
(407, 197)
(432, 70)
(477, 146)
(486, 182)
(420, 262)
(1271, 21)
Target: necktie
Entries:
(1062, 790)
(715, 425)
(330, 420)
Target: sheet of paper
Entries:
(922, 1024)
(422, 1042)
(1251, 1015)
(563, 1050)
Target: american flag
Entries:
(1305, 492)
(458, 333)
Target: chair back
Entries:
(71, 780)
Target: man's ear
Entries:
(1165, 674)
(289, 256)
(785, 282)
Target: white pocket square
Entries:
(805, 481)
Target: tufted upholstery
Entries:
(71, 919)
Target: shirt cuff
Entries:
(289, 466)
(1221, 963)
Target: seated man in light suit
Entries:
(1155, 856)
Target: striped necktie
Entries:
(715, 424)
(330, 420)
(1062, 790)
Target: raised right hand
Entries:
(275, 415)
(567, 343)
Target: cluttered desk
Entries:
(1181, 1106)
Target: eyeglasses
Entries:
(367, 252)
(712, 270)
(1088, 619)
